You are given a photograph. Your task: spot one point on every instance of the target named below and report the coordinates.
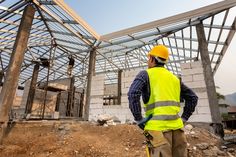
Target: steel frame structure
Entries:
(56, 25)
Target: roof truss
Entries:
(58, 30)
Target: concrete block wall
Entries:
(111, 89)
(62, 84)
(76, 105)
(193, 77)
(63, 104)
(39, 101)
(127, 78)
(96, 96)
(25, 94)
(121, 111)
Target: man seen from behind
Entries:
(161, 92)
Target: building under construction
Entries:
(38, 36)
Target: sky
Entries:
(106, 16)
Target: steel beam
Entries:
(68, 27)
(12, 10)
(173, 19)
(77, 18)
(226, 45)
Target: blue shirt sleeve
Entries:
(190, 99)
(136, 89)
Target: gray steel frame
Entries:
(126, 49)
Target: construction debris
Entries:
(83, 139)
(106, 119)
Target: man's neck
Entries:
(158, 65)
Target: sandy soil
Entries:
(83, 139)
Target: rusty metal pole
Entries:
(13, 71)
(92, 58)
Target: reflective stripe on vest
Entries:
(165, 117)
(161, 103)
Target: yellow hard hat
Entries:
(160, 51)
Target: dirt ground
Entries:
(84, 139)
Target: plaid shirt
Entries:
(140, 87)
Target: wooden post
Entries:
(32, 89)
(119, 87)
(92, 58)
(210, 84)
(13, 71)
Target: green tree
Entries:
(220, 96)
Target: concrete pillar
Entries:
(70, 98)
(91, 70)
(1, 77)
(32, 89)
(119, 87)
(207, 70)
(81, 104)
(11, 80)
(58, 102)
(17, 56)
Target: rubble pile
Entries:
(86, 139)
(202, 143)
(106, 120)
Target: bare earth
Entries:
(84, 139)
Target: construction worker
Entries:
(161, 92)
(70, 65)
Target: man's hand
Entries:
(184, 120)
(142, 122)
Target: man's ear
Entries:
(152, 58)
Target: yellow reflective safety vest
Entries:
(164, 101)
